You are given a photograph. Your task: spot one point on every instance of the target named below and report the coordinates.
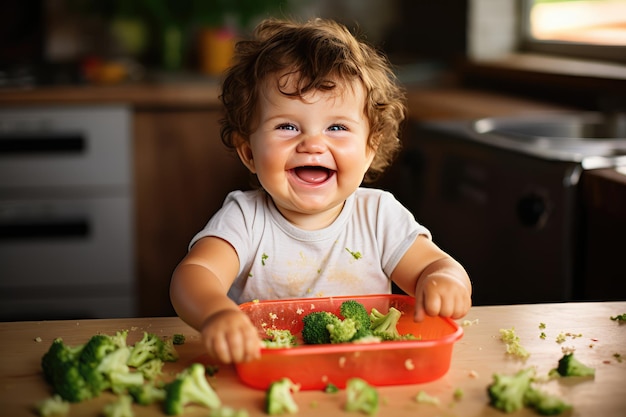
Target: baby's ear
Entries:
(245, 154)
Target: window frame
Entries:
(527, 43)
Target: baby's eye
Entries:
(286, 126)
(336, 128)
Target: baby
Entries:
(312, 112)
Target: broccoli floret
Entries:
(190, 387)
(352, 309)
(342, 331)
(145, 350)
(385, 325)
(315, 327)
(279, 397)
(360, 396)
(151, 369)
(61, 370)
(147, 394)
(100, 346)
(178, 339)
(54, 406)
(117, 374)
(121, 407)
(544, 403)
(167, 351)
(102, 355)
(331, 388)
(569, 365)
(506, 392)
(279, 338)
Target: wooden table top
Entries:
(480, 353)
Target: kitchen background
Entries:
(110, 158)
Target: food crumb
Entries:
(273, 316)
(408, 364)
(38, 339)
(568, 349)
(473, 374)
(299, 310)
(342, 361)
(468, 323)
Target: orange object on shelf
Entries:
(216, 47)
(385, 363)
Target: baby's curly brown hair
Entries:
(319, 54)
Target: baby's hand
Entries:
(441, 295)
(229, 336)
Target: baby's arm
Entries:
(439, 283)
(198, 292)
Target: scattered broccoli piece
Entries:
(147, 394)
(60, 367)
(277, 338)
(544, 403)
(228, 412)
(121, 382)
(506, 392)
(189, 387)
(54, 406)
(151, 369)
(620, 318)
(458, 394)
(144, 350)
(360, 396)
(211, 370)
(569, 365)
(121, 407)
(178, 339)
(423, 397)
(118, 376)
(102, 356)
(342, 331)
(513, 345)
(101, 345)
(331, 388)
(167, 351)
(385, 325)
(315, 327)
(279, 397)
(352, 309)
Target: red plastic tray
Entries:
(385, 363)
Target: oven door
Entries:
(64, 258)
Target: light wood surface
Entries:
(475, 358)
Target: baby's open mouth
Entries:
(313, 174)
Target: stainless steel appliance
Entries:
(501, 196)
(66, 213)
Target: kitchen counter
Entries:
(475, 358)
(191, 94)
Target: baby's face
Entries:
(310, 154)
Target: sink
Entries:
(594, 139)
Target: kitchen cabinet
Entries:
(183, 172)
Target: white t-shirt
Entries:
(355, 255)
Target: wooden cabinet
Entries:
(182, 175)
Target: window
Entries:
(593, 29)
